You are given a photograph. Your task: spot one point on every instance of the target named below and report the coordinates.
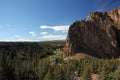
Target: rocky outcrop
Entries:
(98, 36)
(115, 15)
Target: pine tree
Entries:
(117, 73)
(49, 76)
(86, 73)
(102, 75)
(58, 73)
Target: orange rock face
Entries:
(115, 15)
(98, 36)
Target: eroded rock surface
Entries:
(98, 36)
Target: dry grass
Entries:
(78, 56)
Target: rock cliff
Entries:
(98, 36)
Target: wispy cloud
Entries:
(32, 33)
(5, 40)
(63, 28)
(20, 38)
(103, 7)
(107, 5)
(43, 33)
(53, 37)
(16, 36)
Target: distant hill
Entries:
(29, 49)
(98, 36)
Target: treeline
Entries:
(53, 67)
(29, 49)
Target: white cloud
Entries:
(32, 33)
(16, 36)
(20, 38)
(63, 28)
(54, 37)
(5, 40)
(43, 33)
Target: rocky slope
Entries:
(98, 36)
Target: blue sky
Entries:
(43, 20)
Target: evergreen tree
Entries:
(49, 75)
(103, 75)
(86, 73)
(117, 73)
